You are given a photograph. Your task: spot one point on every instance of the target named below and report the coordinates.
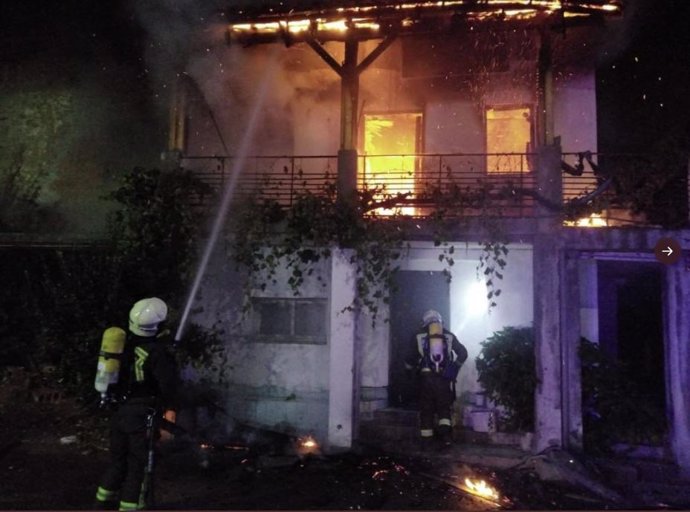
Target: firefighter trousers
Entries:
(435, 399)
(129, 447)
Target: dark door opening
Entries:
(415, 293)
(631, 330)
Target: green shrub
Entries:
(614, 409)
(506, 371)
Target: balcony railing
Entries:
(412, 183)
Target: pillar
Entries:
(571, 385)
(349, 96)
(342, 352)
(548, 273)
(677, 359)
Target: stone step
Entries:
(394, 416)
(373, 431)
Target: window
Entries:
(278, 320)
(508, 137)
(391, 142)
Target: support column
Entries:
(571, 367)
(677, 360)
(548, 268)
(342, 352)
(349, 96)
(548, 408)
(349, 100)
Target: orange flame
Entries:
(481, 488)
(366, 19)
(306, 445)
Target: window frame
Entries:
(530, 142)
(287, 338)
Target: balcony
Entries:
(504, 185)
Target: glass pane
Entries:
(273, 317)
(310, 319)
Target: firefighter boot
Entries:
(106, 500)
(445, 436)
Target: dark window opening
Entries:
(282, 320)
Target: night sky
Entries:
(643, 76)
(644, 90)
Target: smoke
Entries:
(188, 38)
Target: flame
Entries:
(595, 220)
(301, 26)
(389, 156)
(307, 445)
(344, 20)
(481, 488)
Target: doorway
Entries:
(631, 334)
(415, 292)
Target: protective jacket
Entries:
(437, 355)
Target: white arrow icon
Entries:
(668, 251)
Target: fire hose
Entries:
(154, 421)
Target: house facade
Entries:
(500, 97)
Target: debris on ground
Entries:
(52, 455)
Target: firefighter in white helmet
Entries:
(437, 355)
(147, 386)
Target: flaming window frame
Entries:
(526, 166)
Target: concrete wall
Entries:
(283, 386)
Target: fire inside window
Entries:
(508, 137)
(389, 163)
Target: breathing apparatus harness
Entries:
(437, 356)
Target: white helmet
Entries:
(431, 316)
(146, 315)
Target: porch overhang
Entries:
(299, 21)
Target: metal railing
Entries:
(412, 183)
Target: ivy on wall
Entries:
(269, 236)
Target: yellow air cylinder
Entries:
(435, 328)
(108, 370)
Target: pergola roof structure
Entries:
(300, 21)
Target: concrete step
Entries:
(395, 416)
(373, 431)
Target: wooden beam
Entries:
(382, 47)
(316, 46)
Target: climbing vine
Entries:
(269, 236)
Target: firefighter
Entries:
(146, 386)
(436, 355)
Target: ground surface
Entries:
(43, 467)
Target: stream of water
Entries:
(229, 191)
